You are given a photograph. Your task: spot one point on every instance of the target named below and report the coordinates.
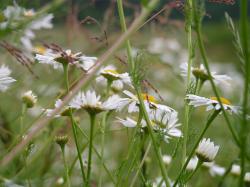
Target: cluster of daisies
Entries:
(163, 118)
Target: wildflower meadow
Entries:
(124, 93)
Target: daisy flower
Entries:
(166, 159)
(29, 98)
(216, 170)
(206, 150)
(192, 164)
(150, 102)
(212, 103)
(201, 73)
(110, 74)
(165, 124)
(5, 79)
(58, 58)
(58, 104)
(92, 104)
(235, 170)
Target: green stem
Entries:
(189, 20)
(66, 77)
(24, 109)
(97, 154)
(144, 156)
(195, 170)
(124, 29)
(209, 122)
(103, 129)
(244, 41)
(151, 133)
(197, 21)
(144, 165)
(65, 167)
(91, 137)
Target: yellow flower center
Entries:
(39, 49)
(149, 98)
(223, 100)
(111, 71)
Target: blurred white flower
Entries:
(110, 74)
(212, 103)
(247, 177)
(192, 164)
(167, 159)
(235, 170)
(128, 122)
(201, 73)
(206, 150)
(58, 104)
(5, 79)
(29, 98)
(216, 170)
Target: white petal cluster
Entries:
(202, 73)
(198, 101)
(5, 79)
(206, 150)
(81, 61)
(110, 74)
(14, 14)
(91, 102)
(29, 98)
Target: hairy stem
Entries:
(189, 19)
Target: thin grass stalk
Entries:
(82, 83)
(244, 42)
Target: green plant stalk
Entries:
(130, 59)
(190, 61)
(124, 29)
(143, 151)
(151, 133)
(141, 164)
(91, 137)
(103, 129)
(65, 167)
(205, 62)
(209, 122)
(84, 81)
(97, 154)
(23, 111)
(195, 170)
(132, 144)
(245, 47)
(66, 77)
